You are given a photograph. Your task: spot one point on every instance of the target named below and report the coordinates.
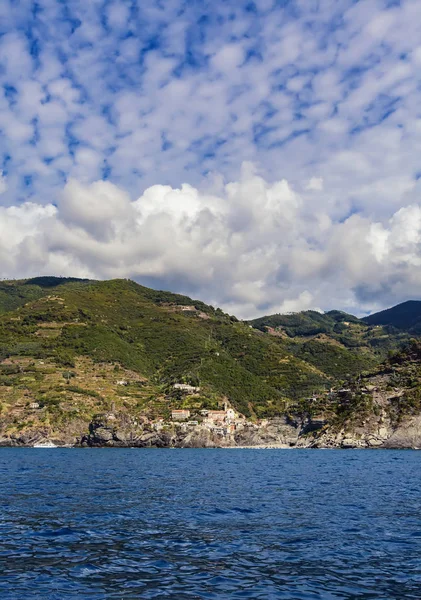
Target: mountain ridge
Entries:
(405, 316)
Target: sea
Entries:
(209, 524)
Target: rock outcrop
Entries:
(300, 431)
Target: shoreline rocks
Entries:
(279, 432)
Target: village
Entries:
(226, 421)
(221, 422)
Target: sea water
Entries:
(185, 524)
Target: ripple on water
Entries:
(210, 524)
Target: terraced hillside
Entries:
(335, 342)
(76, 348)
(79, 356)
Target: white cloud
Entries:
(315, 183)
(97, 209)
(155, 100)
(228, 58)
(303, 302)
(251, 247)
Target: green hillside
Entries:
(75, 352)
(334, 342)
(309, 322)
(405, 316)
(64, 343)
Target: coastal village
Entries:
(219, 422)
(94, 403)
(181, 410)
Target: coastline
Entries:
(240, 447)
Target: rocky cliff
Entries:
(280, 432)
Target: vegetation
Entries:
(163, 338)
(336, 343)
(405, 316)
(309, 322)
(72, 349)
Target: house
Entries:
(180, 415)
(184, 387)
(34, 405)
(230, 414)
(217, 415)
(122, 382)
(344, 391)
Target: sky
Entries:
(261, 156)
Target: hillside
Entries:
(66, 345)
(106, 363)
(335, 342)
(405, 316)
(378, 409)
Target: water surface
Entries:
(184, 524)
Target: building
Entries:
(34, 405)
(230, 414)
(180, 415)
(184, 387)
(217, 415)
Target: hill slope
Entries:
(405, 316)
(65, 345)
(381, 408)
(335, 342)
(103, 361)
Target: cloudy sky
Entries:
(261, 156)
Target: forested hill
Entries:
(60, 337)
(335, 342)
(405, 317)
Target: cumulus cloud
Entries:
(303, 302)
(252, 247)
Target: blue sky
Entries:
(263, 156)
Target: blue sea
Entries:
(193, 524)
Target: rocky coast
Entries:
(279, 432)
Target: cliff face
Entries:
(118, 432)
(379, 410)
(273, 432)
(385, 435)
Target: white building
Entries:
(230, 414)
(180, 415)
(184, 387)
